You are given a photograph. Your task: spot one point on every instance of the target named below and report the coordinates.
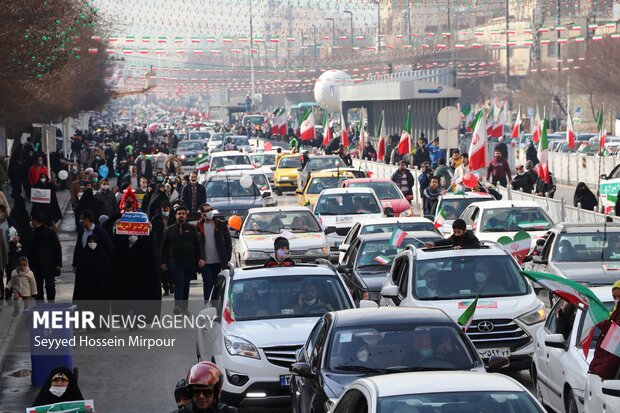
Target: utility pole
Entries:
(253, 87)
(378, 26)
(557, 5)
(333, 33)
(350, 13)
(507, 45)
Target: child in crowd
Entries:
(23, 284)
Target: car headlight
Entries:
(285, 178)
(407, 213)
(535, 316)
(239, 347)
(255, 255)
(182, 156)
(318, 251)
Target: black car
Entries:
(346, 345)
(368, 260)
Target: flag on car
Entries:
(382, 259)
(440, 218)
(611, 342)
(202, 162)
(478, 147)
(404, 146)
(518, 246)
(570, 133)
(397, 238)
(229, 314)
(468, 315)
(516, 129)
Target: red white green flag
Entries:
(570, 132)
(516, 129)
(397, 238)
(404, 145)
(536, 127)
(543, 153)
(478, 147)
(307, 127)
(468, 315)
(440, 218)
(344, 136)
(229, 313)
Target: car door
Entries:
(351, 235)
(213, 343)
(354, 282)
(545, 254)
(353, 401)
(299, 385)
(393, 280)
(313, 396)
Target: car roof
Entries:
(443, 252)
(440, 382)
(332, 174)
(331, 191)
(603, 293)
(289, 155)
(505, 204)
(570, 227)
(396, 220)
(396, 315)
(387, 235)
(299, 269)
(223, 154)
(366, 180)
(240, 171)
(466, 195)
(264, 210)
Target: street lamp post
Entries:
(378, 26)
(252, 80)
(333, 31)
(350, 13)
(408, 14)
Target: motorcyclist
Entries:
(204, 381)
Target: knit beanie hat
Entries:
(279, 243)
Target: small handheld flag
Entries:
(468, 315)
(397, 238)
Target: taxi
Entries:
(319, 181)
(286, 173)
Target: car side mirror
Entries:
(390, 291)
(302, 370)
(538, 259)
(343, 248)
(344, 268)
(388, 211)
(555, 341)
(611, 388)
(266, 194)
(496, 363)
(299, 191)
(273, 168)
(603, 176)
(234, 234)
(368, 304)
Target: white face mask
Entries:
(480, 276)
(92, 245)
(209, 215)
(362, 355)
(105, 187)
(58, 390)
(133, 239)
(281, 253)
(143, 187)
(309, 302)
(165, 213)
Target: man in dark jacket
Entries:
(46, 258)
(145, 167)
(369, 153)
(521, 181)
(421, 154)
(106, 201)
(160, 222)
(215, 247)
(404, 180)
(460, 238)
(531, 154)
(193, 194)
(180, 253)
(498, 171)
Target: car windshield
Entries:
(468, 277)
(190, 146)
(240, 140)
(405, 226)
(515, 219)
(290, 162)
(217, 138)
(320, 183)
(307, 295)
(277, 222)
(591, 246)
(324, 162)
(399, 347)
(347, 204)
(378, 254)
(199, 135)
(221, 161)
(223, 188)
(264, 158)
(384, 190)
(467, 401)
(454, 207)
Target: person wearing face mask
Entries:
(498, 170)
(49, 210)
(61, 386)
(215, 246)
(46, 258)
(309, 302)
(160, 222)
(423, 344)
(106, 201)
(193, 194)
(520, 181)
(281, 256)
(155, 200)
(93, 273)
(404, 180)
(37, 170)
(460, 238)
(86, 228)
(141, 191)
(605, 364)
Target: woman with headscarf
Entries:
(49, 211)
(61, 386)
(93, 272)
(156, 199)
(585, 197)
(87, 202)
(20, 218)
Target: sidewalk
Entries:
(8, 324)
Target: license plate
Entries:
(285, 380)
(344, 220)
(485, 353)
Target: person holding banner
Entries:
(45, 202)
(606, 364)
(61, 386)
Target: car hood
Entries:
(598, 272)
(374, 282)
(235, 202)
(302, 241)
(398, 205)
(347, 220)
(289, 172)
(336, 383)
(273, 332)
(492, 307)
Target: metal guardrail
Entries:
(444, 76)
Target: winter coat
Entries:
(93, 275)
(272, 261)
(50, 212)
(34, 172)
(23, 283)
(397, 177)
(72, 393)
(604, 364)
(223, 241)
(106, 203)
(46, 252)
(186, 196)
(467, 240)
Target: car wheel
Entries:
(571, 403)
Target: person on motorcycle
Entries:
(204, 382)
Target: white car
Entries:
(263, 225)
(559, 366)
(602, 396)
(508, 313)
(441, 391)
(340, 208)
(237, 171)
(384, 225)
(453, 205)
(263, 316)
(220, 160)
(494, 219)
(266, 162)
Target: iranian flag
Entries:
(468, 315)
(281, 122)
(478, 147)
(404, 146)
(543, 153)
(570, 132)
(202, 162)
(344, 136)
(327, 132)
(536, 127)
(382, 259)
(516, 129)
(519, 246)
(397, 238)
(307, 127)
(381, 145)
(361, 132)
(611, 342)
(440, 218)
(229, 314)
(602, 132)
